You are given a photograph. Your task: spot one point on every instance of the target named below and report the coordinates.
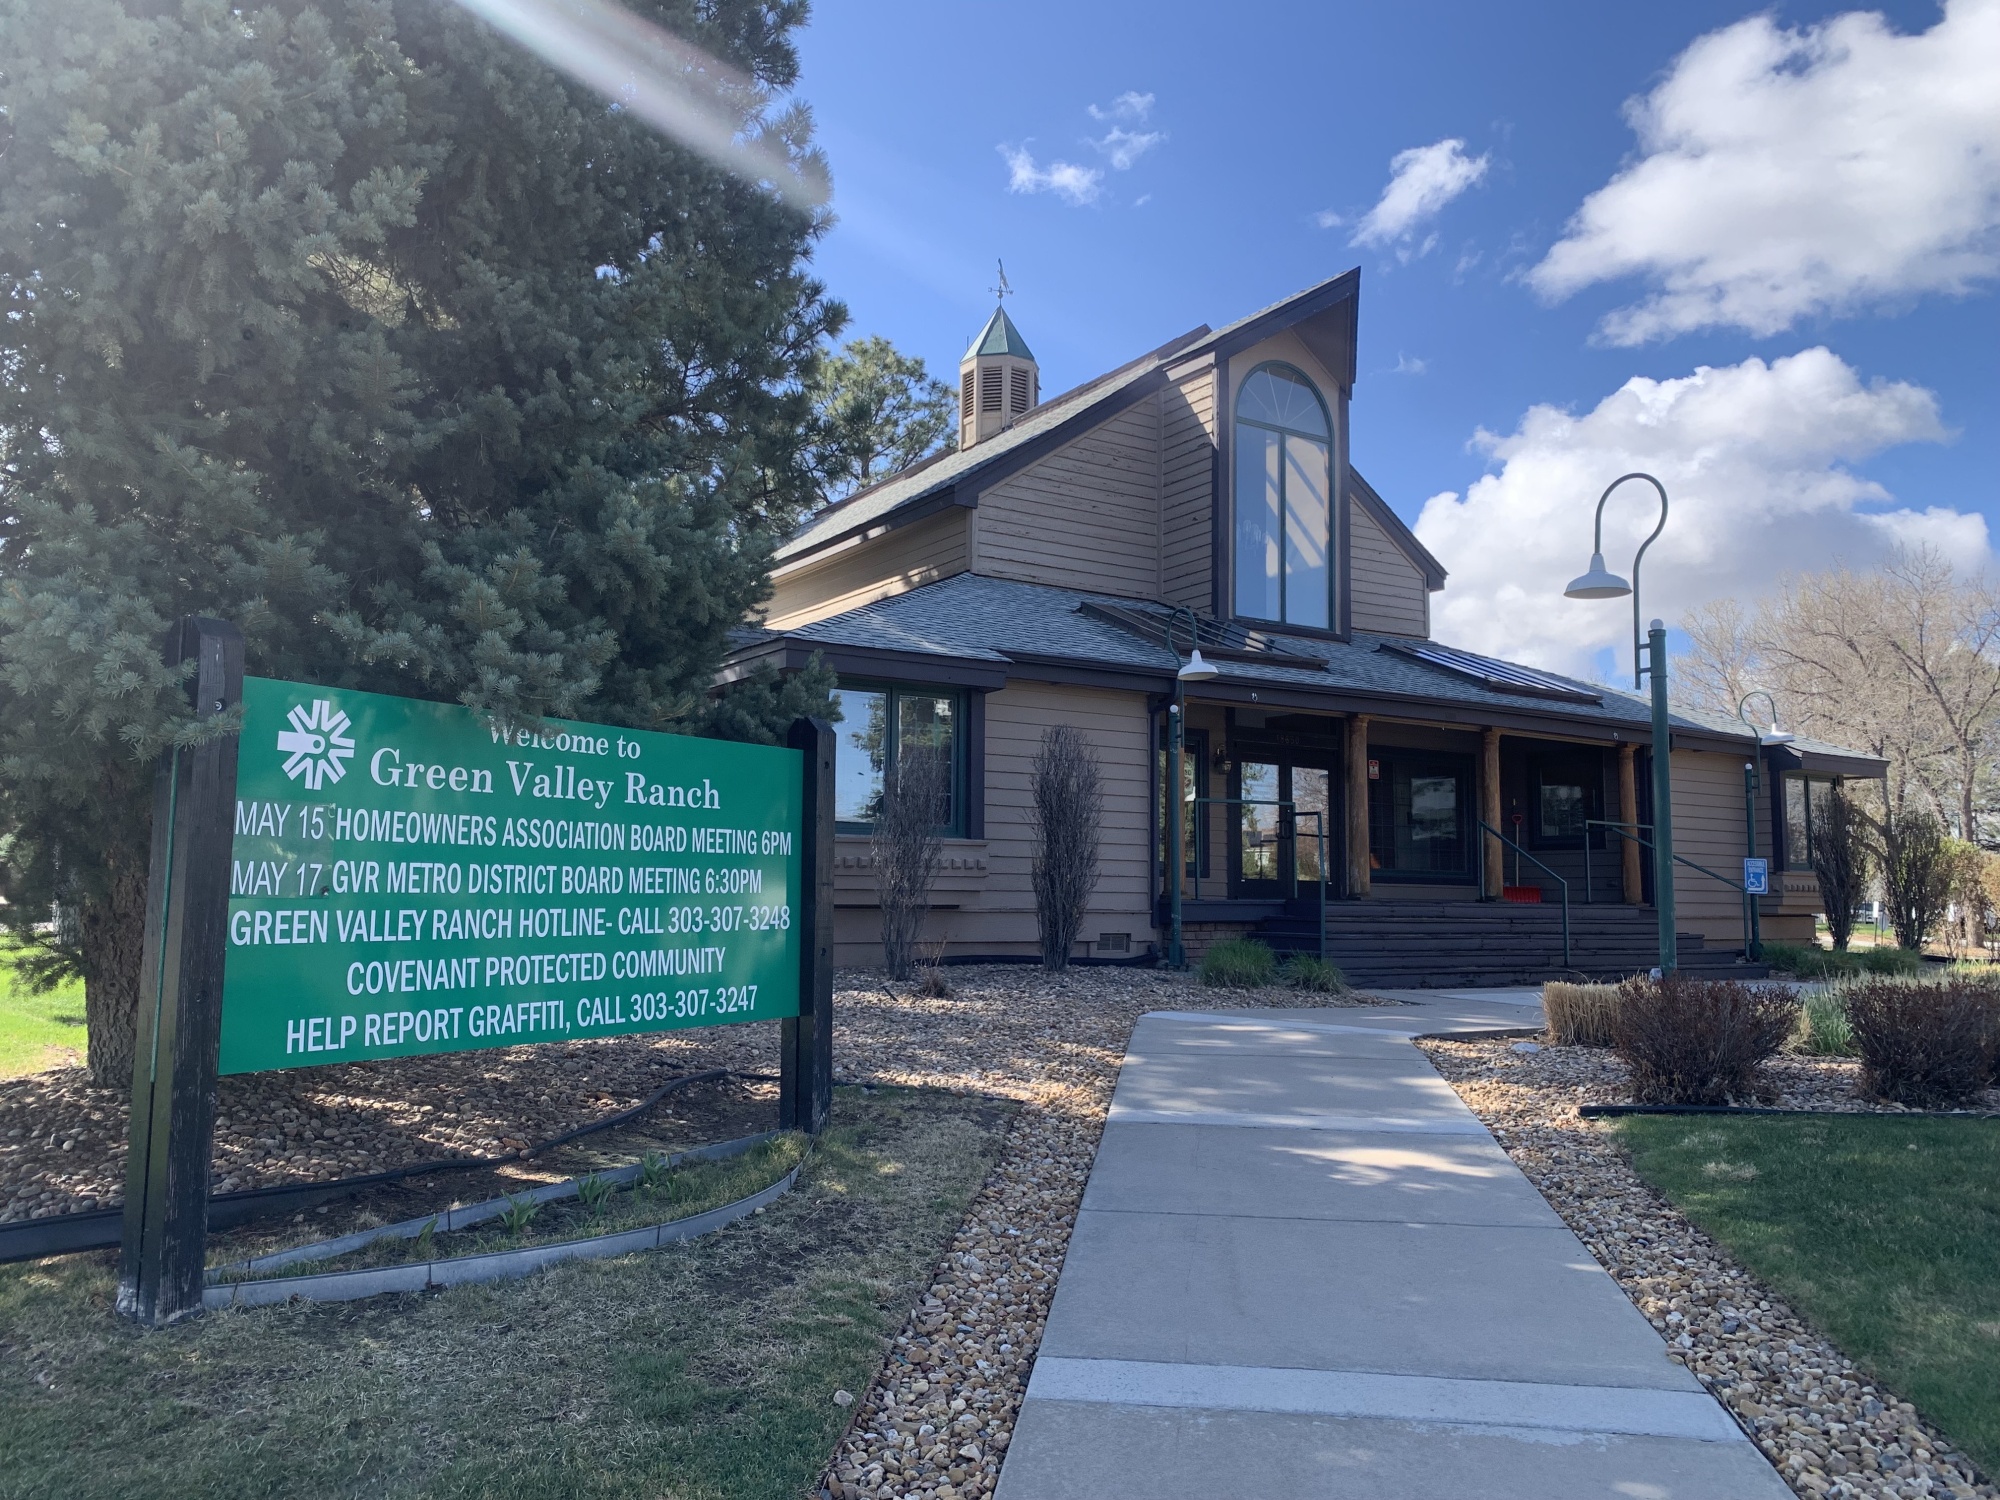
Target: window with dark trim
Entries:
(1804, 798)
(1194, 783)
(878, 725)
(1419, 815)
(1283, 500)
(1566, 791)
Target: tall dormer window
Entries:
(1284, 511)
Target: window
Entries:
(1419, 815)
(878, 726)
(1284, 508)
(1568, 792)
(1803, 800)
(1194, 782)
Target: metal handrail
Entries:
(1283, 805)
(1751, 946)
(1510, 844)
(1617, 827)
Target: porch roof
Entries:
(978, 630)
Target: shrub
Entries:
(1928, 1044)
(1308, 971)
(1699, 1041)
(1579, 1015)
(1823, 1028)
(1238, 964)
(1066, 805)
(1889, 961)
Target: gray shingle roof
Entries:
(974, 618)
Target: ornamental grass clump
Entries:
(1699, 1041)
(1823, 1027)
(1308, 971)
(1238, 964)
(1579, 1015)
(1927, 1044)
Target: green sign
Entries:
(409, 878)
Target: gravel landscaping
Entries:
(1829, 1431)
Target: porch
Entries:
(1446, 853)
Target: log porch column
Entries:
(1358, 883)
(1489, 809)
(1628, 813)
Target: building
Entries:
(1051, 571)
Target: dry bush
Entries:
(1699, 1041)
(1067, 804)
(1579, 1015)
(909, 819)
(1924, 1043)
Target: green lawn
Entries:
(695, 1373)
(1885, 1232)
(37, 1031)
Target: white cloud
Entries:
(1326, 218)
(1075, 185)
(1790, 173)
(1124, 147)
(1754, 457)
(1422, 181)
(1405, 365)
(1130, 105)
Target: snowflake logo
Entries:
(316, 744)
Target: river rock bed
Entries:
(1828, 1429)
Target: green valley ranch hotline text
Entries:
(408, 877)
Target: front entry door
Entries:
(1278, 848)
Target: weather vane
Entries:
(1002, 291)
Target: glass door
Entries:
(1278, 849)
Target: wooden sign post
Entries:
(180, 995)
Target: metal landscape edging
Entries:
(499, 1265)
(449, 1219)
(1605, 1111)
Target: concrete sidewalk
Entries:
(1303, 1268)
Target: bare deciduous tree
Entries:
(1903, 662)
(1840, 862)
(1916, 874)
(1066, 806)
(909, 820)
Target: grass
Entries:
(1810, 961)
(698, 1372)
(1884, 1232)
(1823, 1026)
(1238, 964)
(37, 1031)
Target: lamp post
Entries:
(1753, 934)
(1195, 670)
(1599, 582)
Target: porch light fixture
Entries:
(1649, 659)
(1775, 735)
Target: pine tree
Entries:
(877, 411)
(354, 324)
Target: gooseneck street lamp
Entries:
(1752, 925)
(1599, 582)
(1193, 670)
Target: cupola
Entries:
(998, 381)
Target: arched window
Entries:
(1284, 509)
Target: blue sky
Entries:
(1807, 203)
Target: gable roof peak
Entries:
(999, 336)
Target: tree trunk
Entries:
(112, 935)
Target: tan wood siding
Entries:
(998, 916)
(895, 563)
(1085, 517)
(1708, 829)
(1389, 593)
(1187, 489)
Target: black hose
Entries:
(63, 1234)
(1603, 1111)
